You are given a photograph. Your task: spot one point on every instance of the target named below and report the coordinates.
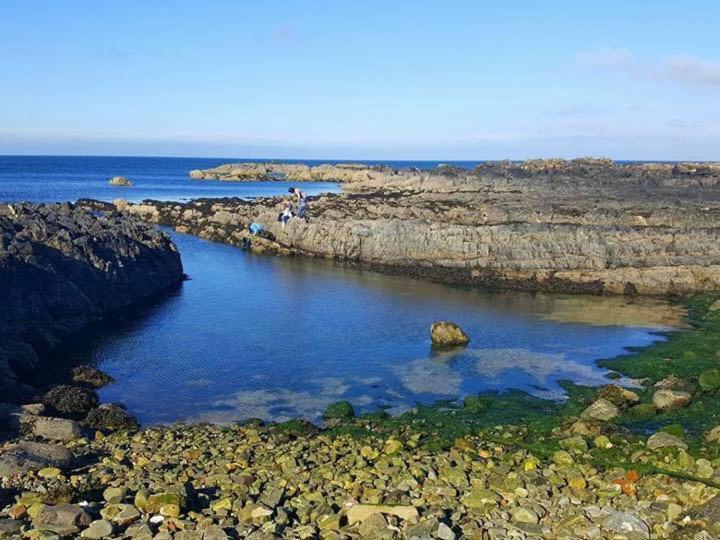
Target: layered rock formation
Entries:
(588, 225)
(296, 172)
(62, 267)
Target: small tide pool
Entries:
(275, 338)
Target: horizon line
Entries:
(361, 160)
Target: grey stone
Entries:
(98, 529)
(624, 523)
(601, 409)
(670, 399)
(445, 533)
(31, 456)
(10, 528)
(62, 519)
(56, 429)
(214, 533)
(665, 440)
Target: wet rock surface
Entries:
(587, 226)
(63, 267)
(91, 376)
(448, 334)
(70, 401)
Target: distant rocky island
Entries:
(583, 226)
(120, 181)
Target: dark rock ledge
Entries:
(63, 267)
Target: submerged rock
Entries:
(709, 379)
(448, 334)
(662, 439)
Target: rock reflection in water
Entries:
(253, 336)
(620, 311)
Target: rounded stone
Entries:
(448, 334)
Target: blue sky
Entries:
(372, 79)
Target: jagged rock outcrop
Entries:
(587, 225)
(448, 334)
(62, 267)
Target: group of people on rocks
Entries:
(299, 198)
(289, 209)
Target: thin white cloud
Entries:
(606, 57)
(680, 68)
(690, 69)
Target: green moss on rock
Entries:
(341, 410)
(709, 380)
(474, 404)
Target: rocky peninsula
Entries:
(586, 226)
(62, 268)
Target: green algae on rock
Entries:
(340, 410)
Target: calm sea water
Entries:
(54, 178)
(278, 338)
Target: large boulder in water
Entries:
(448, 334)
(120, 181)
(70, 401)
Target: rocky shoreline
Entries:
(62, 268)
(582, 226)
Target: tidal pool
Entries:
(254, 336)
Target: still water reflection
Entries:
(278, 338)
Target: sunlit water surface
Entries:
(254, 336)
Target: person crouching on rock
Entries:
(285, 215)
(302, 202)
